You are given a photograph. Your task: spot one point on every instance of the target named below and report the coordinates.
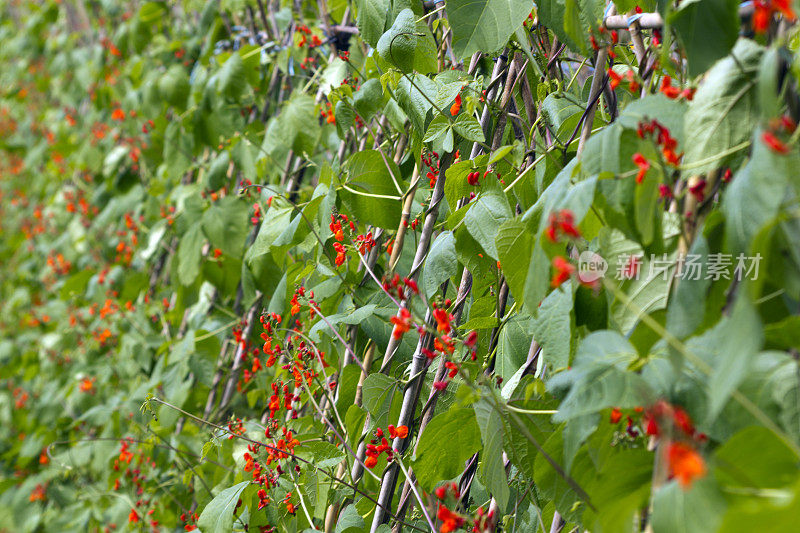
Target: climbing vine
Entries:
(393, 265)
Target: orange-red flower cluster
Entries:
(764, 10)
(562, 224)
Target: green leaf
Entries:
(173, 86)
(485, 216)
(218, 171)
(552, 329)
(599, 377)
(226, 225)
(484, 25)
(296, 128)
(368, 99)
(380, 398)
(754, 197)
(368, 175)
(729, 348)
(232, 80)
(189, 250)
(725, 104)
(217, 517)
(648, 292)
(619, 489)
(514, 243)
(512, 346)
(371, 19)
(699, 509)
(349, 520)
(441, 263)
(776, 512)
(707, 29)
(415, 99)
(551, 14)
(275, 221)
(492, 471)
(448, 441)
(408, 45)
(440, 130)
(468, 127)
(756, 457)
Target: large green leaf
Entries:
(447, 442)
(217, 517)
(189, 250)
(485, 216)
(349, 520)
(370, 192)
(707, 29)
(484, 25)
(371, 19)
(697, 510)
(599, 377)
(492, 470)
(296, 128)
(512, 346)
(514, 244)
(756, 457)
(755, 196)
(722, 114)
(729, 348)
(232, 80)
(441, 263)
(408, 45)
(552, 327)
(226, 225)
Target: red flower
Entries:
(683, 421)
(685, 463)
(400, 431)
(370, 462)
(562, 222)
(411, 284)
(774, 144)
(644, 165)
(401, 323)
(698, 190)
(341, 253)
(667, 89)
(614, 79)
(118, 114)
(456, 107)
(450, 520)
(38, 493)
(765, 9)
(87, 385)
(651, 427)
(664, 191)
(761, 16)
(616, 415)
(443, 319)
(563, 271)
(633, 85)
(727, 176)
(472, 339)
(133, 517)
(336, 229)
